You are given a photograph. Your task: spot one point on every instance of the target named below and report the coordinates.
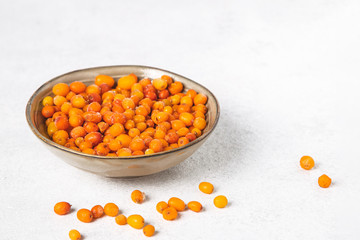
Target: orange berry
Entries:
(187, 118)
(85, 215)
(62, 208)
(77, 87)
(78, 132)
(156, 145)
(121, 219)
(206, 187)
(161, 206)
(94, 138)
(175, 87)
(97, 211)
(123, 152)
(324, 181)
(78, 101)
(48, 111)
(124, 140)
(59, 100)
(62, 123)
(200, 99)
(111, 209)
(220, 201)
(149, 230)
(195, 206)
(104, 79)
(177, 203)
(74, 234)
(149, 151)
(307, 162)
(191, 93)
(186, 100)
(169, 213)
(137, 196)
(137, 144)
(160, 84)
(136, 221)
(48, 101)
(126, 82)
(133, 132)
(61, 89)
(183, 141)
(60, 137)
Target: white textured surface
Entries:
(286, 74)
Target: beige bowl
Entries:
(119, 166)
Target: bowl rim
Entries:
(137, 157)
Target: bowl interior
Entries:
(37, 121)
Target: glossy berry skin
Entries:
(137, 196)
(136, 221)
(62, 208)
(307, 162)
(121, 219)
(111, 209)
(324, 181)
(206, 187)
(220, 201)
(177, 203)
(74, 235)
(149, 230)
(161, 206)
(194, 206)
(170, 214)
(97, 211)
(84, 215)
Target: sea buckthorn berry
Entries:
(160, 84)
(206, 187)
(149, 230)
(137, 144)
(151, 95)
(169, 213)
(93, 89)
(128, 103)
(70, 95)
(195, 206)
(137, 153)
(60, 137)
(58, 114)
(161, 206)
(78, 141)
(48, 121)
(136, 221)
(75, 111)
(137, 196)
(191, 93)
(182, 132)
(168, 110)
(139, 118)
(48, 101)
(124, 140)
(200, 108)
(158, 106)
(85, 145)
(149, 151)
(176, 87)
(141, 110)
(200, 99)
(61, 89)
(186, 118)
(159, 134)
(121, 219)
(48, 111)
(116, 129)
(183, 141)
(97, 211)
(133, 132)
(89, 151)
(94, 117)
(76, 120)
(172, 137)
(62, 208)
(78, 132)
(74, 235)
(126, 82)
(199, 123)
(199, 114)
(220, 201)
(77, 87)
(307, 162)
(104, 79)
(177, 124)
(129, 114)
(168, 79)
(161, 117)
(196, 131)
(93, 107)
(324, 181)
(144, 82)
(163, 94)
(177, 203)
(186, 100)
(123, 152)
(65, 107)
(91, 127)
(103, 126)
(114, 145)
(156, 145)
(141, 126)
(94, 97)
(59, 100)
(102, 149)
(174, 145)
(190, 136)
(94, 138)
(78, 101)
(85, 215)
(137, 87)
(111, 209)
(62, 123)
(51, 129)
